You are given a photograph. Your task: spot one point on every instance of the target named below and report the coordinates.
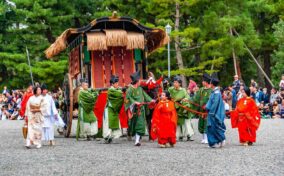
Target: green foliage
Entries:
(204, 32)
(278, 56)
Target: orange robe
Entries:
(26, 97)
(246, 118)
(164, 122)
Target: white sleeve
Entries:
(54, 110)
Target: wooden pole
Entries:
(259, 66)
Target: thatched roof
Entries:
(114, 31)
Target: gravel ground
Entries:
(70, 157)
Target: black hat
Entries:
(206, 78)
(214, 79)
(135, 77)
(113, 79)
(43, 86)
(247, 91)
(167, 93)
(178, 79)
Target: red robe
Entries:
(246, 118)
(164, 122)
(99, 108)
(26, 97)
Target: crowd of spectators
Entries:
(10, 103)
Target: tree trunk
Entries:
(77, 22)
(49, 36)
(267, 66)
(177, 47)
(236, 61)
(261, 30)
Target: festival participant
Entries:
(153, 89)
(111, 124)
(50, 114)
(246, 118)
(87, 126)
(216, 114)
(26, 97)
(164, 122)
(180, 96)
(35, 119)
(135, 107)
(200, 99)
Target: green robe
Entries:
(87, 100)
(114, 104)
(137, 124)
(177, 95)
(201, 97)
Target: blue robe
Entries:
(215, 120)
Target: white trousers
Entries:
(88, 129)
(107, 132)
(185, 130)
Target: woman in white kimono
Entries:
(50, 114)
(35, 119)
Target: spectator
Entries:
(4, 113)
(253, 83)
(280, 96)
(234, 97)
(281, 109)
(236, 83)
(265, 96)
(281, 84)
(259, 96)
(273, 96)
(191, 85)
(5, 90)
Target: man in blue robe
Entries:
(216, 114)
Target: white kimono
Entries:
(49, 112)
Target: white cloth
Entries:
(107, 132)
(49, 112)
(185, 130)
(88, 129)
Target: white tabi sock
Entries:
(137, 138)
(205, 138)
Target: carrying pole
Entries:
(259, 66)
(29, 62)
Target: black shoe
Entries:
(138, 144)
(250, 143)
(189, 138)
(180, 138)
(108, 140)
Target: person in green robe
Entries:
(135, 107)
(87, 126)
(111, 123)
(180, 96)
(199, 100)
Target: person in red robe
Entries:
(164, 122)
(246, 118)
(26, 97)
(154, 89)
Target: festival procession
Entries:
(143, 81)
(118, 96)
